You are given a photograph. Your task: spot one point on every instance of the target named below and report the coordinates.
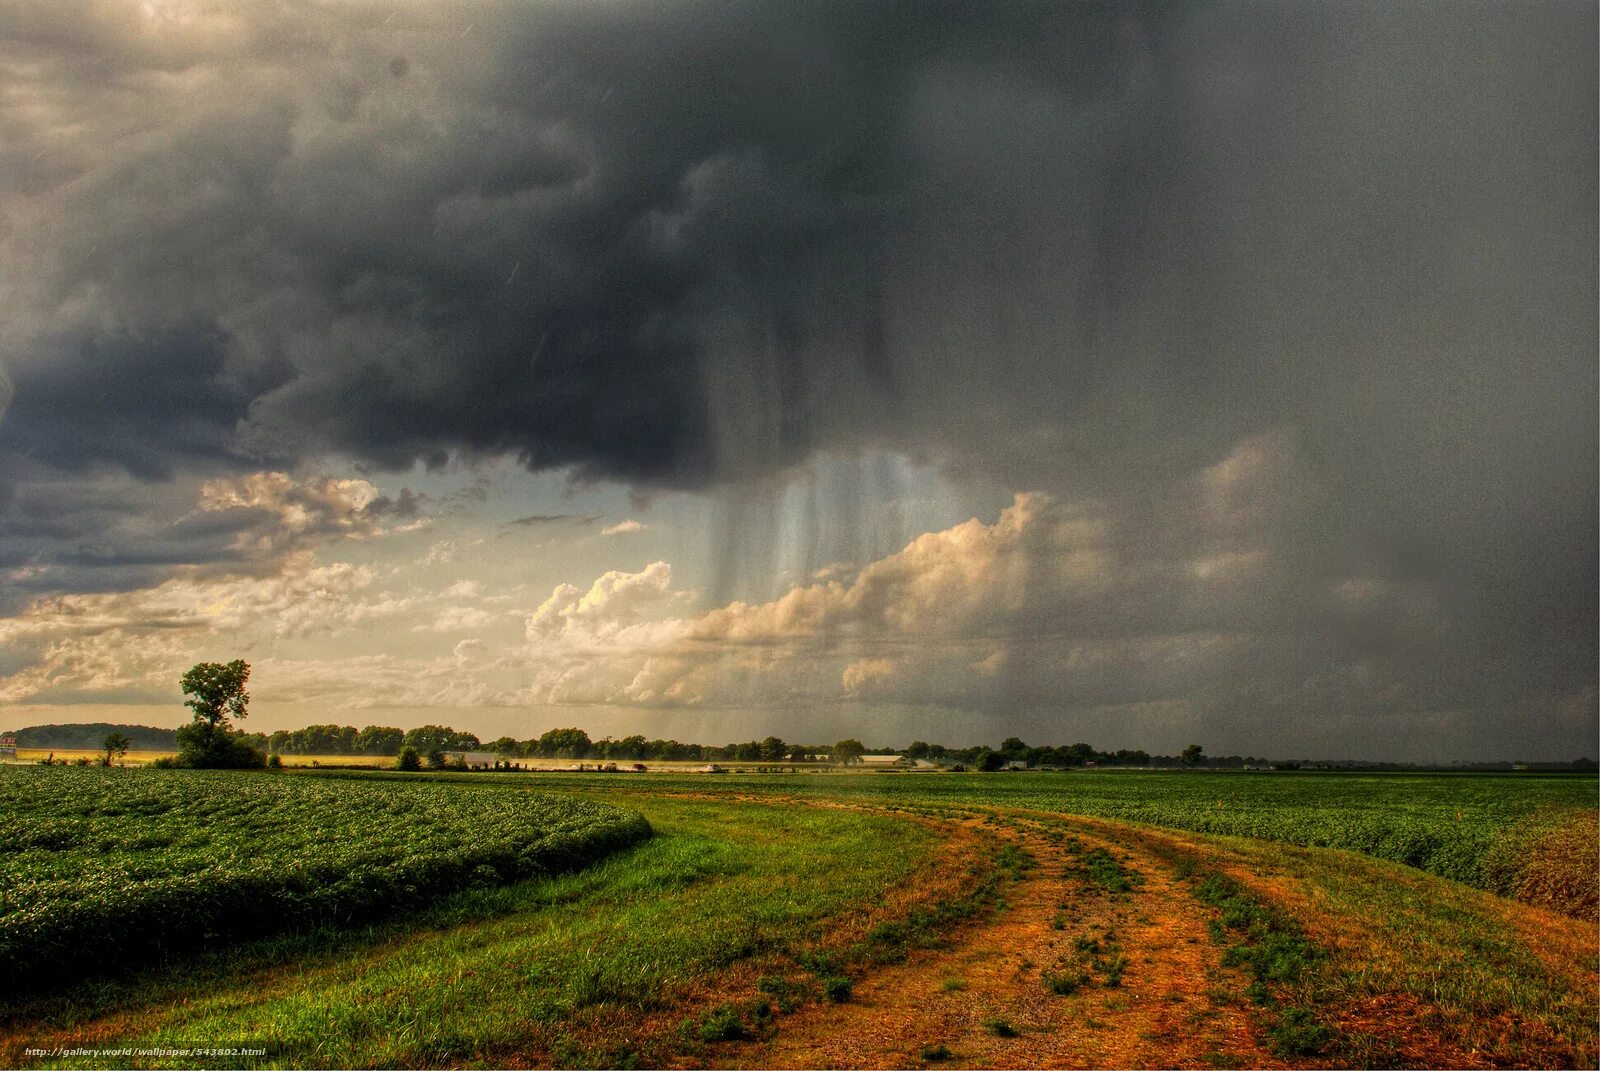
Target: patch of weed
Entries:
(721, 1023)
(1274, 951)
(787, 993)
(1098, 867)
(1297, 1033)
(1064, 983)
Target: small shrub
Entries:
(934, 1054)
(722, 1023)
(837, 988)
(1064, 983)
(1296, 1033)
(408, 759)
(789, 994)
(1000, 1028)
(954, 985)
(818, 963)
(274, 761)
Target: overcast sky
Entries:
(1136, 374)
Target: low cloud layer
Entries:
(1202, 613)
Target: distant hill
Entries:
(93, 735)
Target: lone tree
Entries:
(116, 746)
(848, 751)
(1192, 755)
(217, 693)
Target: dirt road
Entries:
(1073, 972)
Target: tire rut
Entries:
(986, 1000)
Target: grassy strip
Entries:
(1098, 868)
(1451, 825)
(1408, 970)
(1420, 958)
(1273, 950)
(829, 973)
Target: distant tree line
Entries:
(92, 735)
(372, 740)
(575, 744)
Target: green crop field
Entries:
(134, 863)
(1465, 827)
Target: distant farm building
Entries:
(8, 747)
(477, 760)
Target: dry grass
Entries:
(1561, 870)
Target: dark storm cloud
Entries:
(110, 534)
(145, 404)
(1072, 247)
(539, 520)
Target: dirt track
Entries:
(1173, 1006)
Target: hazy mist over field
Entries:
(1137, 374)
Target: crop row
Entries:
(119, 866)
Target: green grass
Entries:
(1064, 983)
(1452, 950)
(1401, 939)
(1099, 869)
(570, 967)
(144, 864)
(1452, 825)
(1276, 954)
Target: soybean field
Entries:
(106, 867)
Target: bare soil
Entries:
(1174, 1004)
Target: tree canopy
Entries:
(848, 751)
(216, 694)
(116, 746)
(217, 691)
